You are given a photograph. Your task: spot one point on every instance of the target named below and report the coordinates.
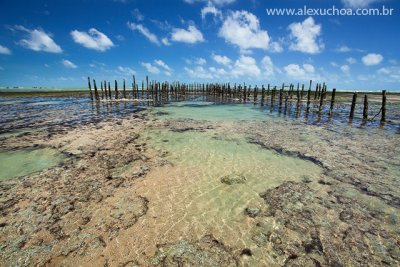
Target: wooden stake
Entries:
(332, 102)
(109, 90)
(96, 93)
(365, 109)
(90, 88)
(116, 89)
(353, 106)
(123, 87)
(105, 89)
(383, 118)
(102, 93)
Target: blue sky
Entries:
(60, 43)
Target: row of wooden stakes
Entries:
(154, 90)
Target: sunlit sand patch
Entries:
(188, 198)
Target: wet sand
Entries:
(173, 186)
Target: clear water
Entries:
(188, 199)
(23, 162)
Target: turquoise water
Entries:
(23, 162)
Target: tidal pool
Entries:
(23, 162)
(187, 197)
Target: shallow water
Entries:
(23, 162)
(185, 164)
(211, 111)
(187, 197)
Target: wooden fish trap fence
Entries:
(319, 100)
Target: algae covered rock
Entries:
(206, 252)
(233, 179)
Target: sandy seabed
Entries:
(149, 189)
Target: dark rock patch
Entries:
(206, 252)
(233, 179)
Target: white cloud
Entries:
(165, 41)
(358, 3)
(218, 72)
(334, 64)
(143, 30)
(198, 72)
(215, 2)
(4, 50)
(242, 28)
(126, 71)
(363, 77)
(151, 68)
(309, 68)
(372, 59)
(305, 35)
(300, 72)
(343, 49)
(268, 66)
(210, 9)
(68, 64)
(200, 61)
(245, 66)
(38, 40)
(93, 39)
(191, 36)
(223, 60)
(163, 65)
(351, 60)
(137, 14)
(345, 69)
(276, 47)
(391, 74)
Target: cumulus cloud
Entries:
(223, 60)
(191, 36)
(245, 66)
(93, 39)
(343, 49)
(151, 68)
(300, 72)
(38, 40)
(145, 31)
(200, 61)
(372, 59)
(215, 2)
(210, 9)
(165, 41)
(268, 66)
(345, 69)
(305, 36)
(242, 28)
(163, 65)
(126, 71)
(276, 47)
(199, 73)
(391, 74)
(351, 60)
(358, 3)
(68, 64)
(4, 50)
(137, 14)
